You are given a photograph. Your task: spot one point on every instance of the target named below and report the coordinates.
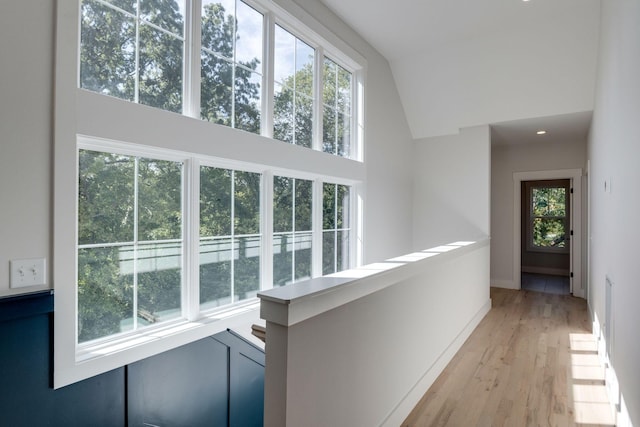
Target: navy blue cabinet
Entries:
(217, 381)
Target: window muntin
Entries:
(293, 89)
(231, 64)
(549, 221)
(292, 230)
(133, 50)
(336, 201)
(337, 113)
(130, 245)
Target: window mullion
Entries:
(136, 81)
(191, 61)
(335, 228)
(191, 239)
(135, 242)
(266, 225)
(317, 104)
(293, 230)
(268, 52)
(233, 236)
(316, 227)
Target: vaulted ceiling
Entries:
(460, 63)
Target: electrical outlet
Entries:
(28, 272)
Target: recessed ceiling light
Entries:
(540, 132)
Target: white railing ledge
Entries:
(300, 301)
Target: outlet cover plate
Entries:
(28, 272)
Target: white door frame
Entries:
(575, 175)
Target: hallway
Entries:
(532, 361)
(545, 283)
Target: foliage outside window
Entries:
(335, 228)
(139, 50)
(549, 217)
(292, 227)
(231, 58)
(134, 246)
(230, 240)
(129, 243)
(293, 89)
(336, 99)
(133, 50)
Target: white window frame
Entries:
(84, 115)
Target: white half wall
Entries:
(544, 68)
(361, 347)
(505, 161)
(614, 152)
(451, 187)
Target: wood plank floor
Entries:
(532, 361)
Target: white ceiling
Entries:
(566, 127)
(402, 29)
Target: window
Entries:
(134, 245)
(133, 50)
(129, 243)
(212, 66)
(167, 225)
(549, 219)
(230, 239)
(336, 99)
(292, 226)
(231, 64)
(335, 228)
(293, 89)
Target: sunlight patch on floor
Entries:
(591, 403)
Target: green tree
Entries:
(227, 91)
(108, 60)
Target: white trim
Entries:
(576, 222)
(500, 283)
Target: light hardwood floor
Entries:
(532, 361)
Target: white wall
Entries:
(544, 68)
(26, 91)
(451, 187)
(505, 160)
(26, 82)
(614, 150)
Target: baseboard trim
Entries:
(402, 410)
(506, 284)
